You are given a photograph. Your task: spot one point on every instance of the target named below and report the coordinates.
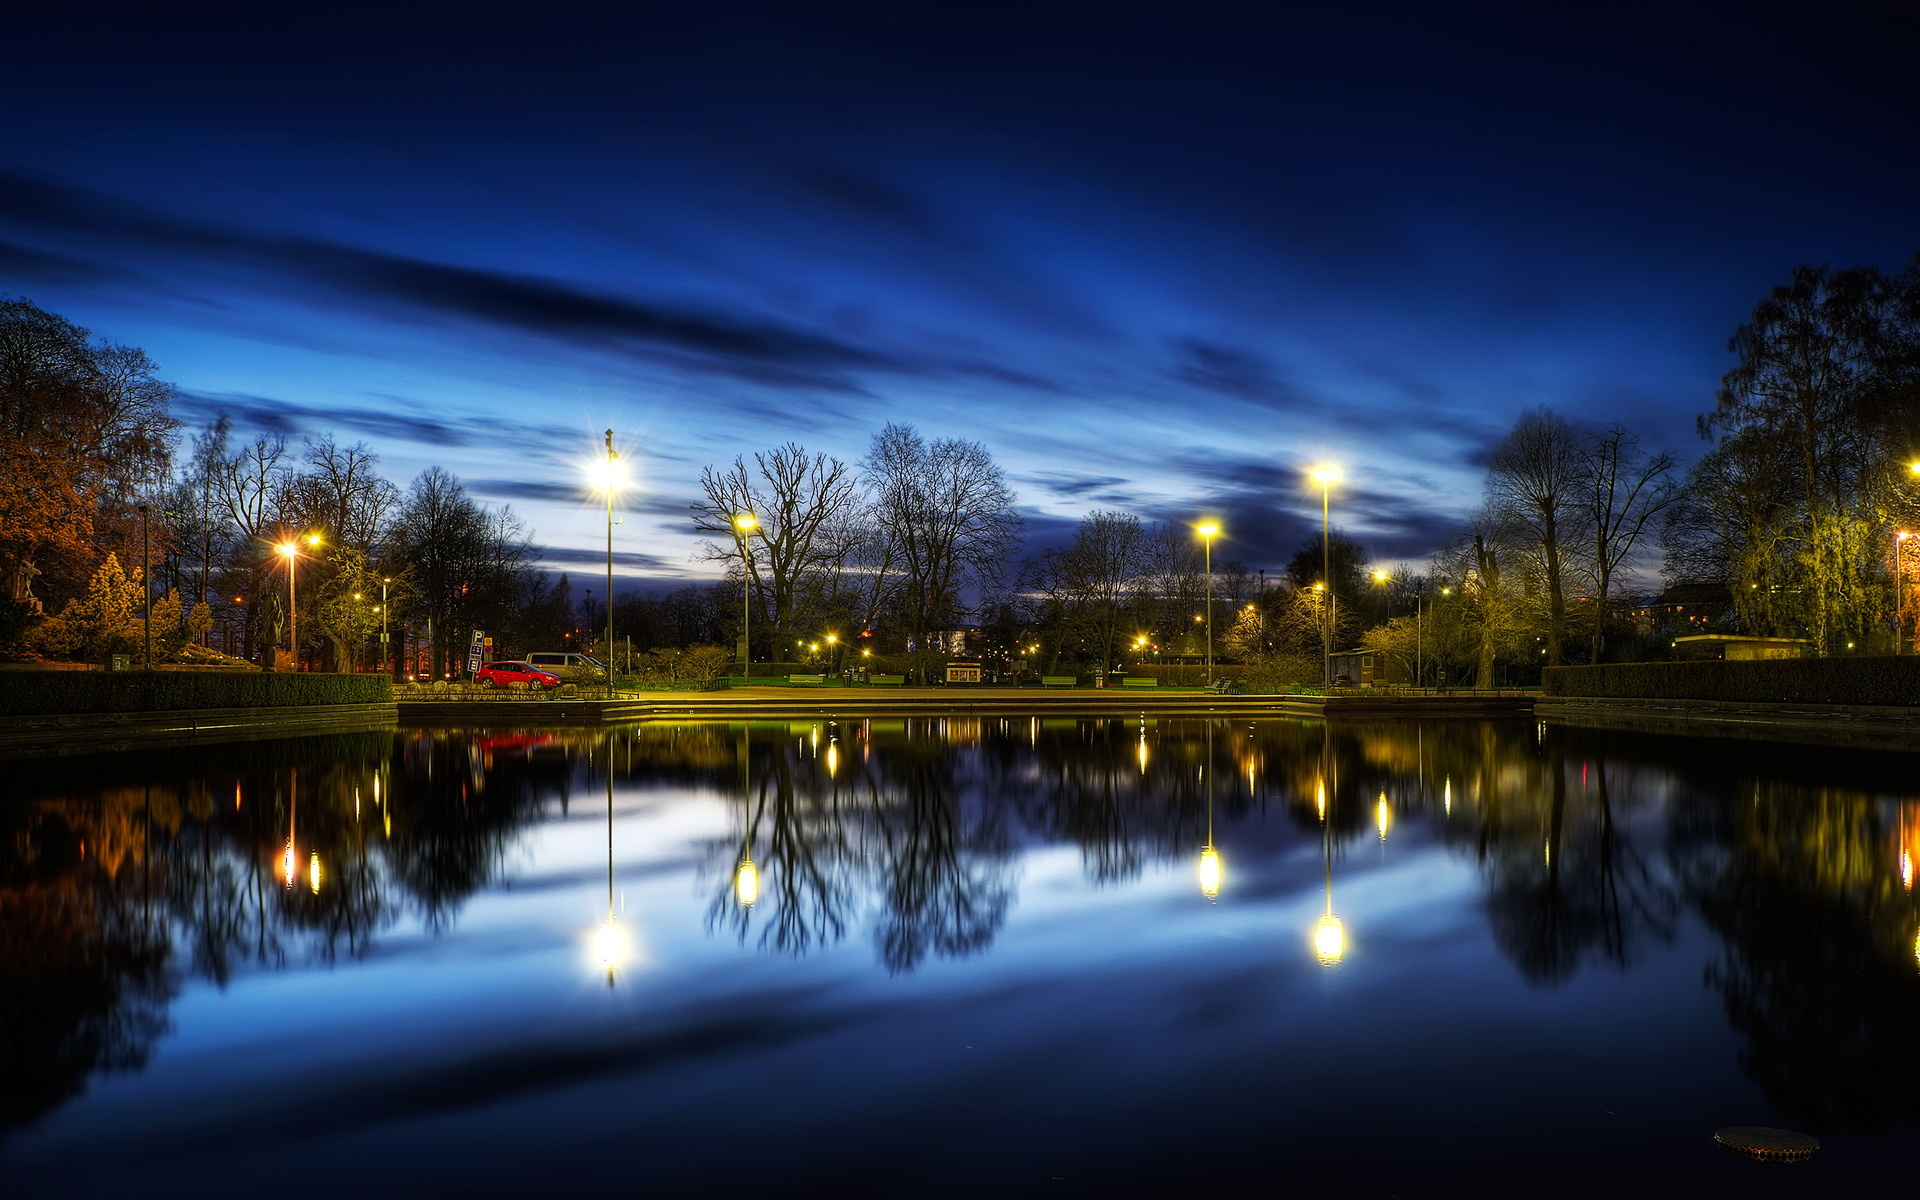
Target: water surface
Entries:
(1010, 957)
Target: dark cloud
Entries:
(1232, 372)
(575, 492)
(863, 195)
(289, 417)
(564, 556)
(739, 346)
(24, 263)
(1061, 483)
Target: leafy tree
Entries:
(83, 428)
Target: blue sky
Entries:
(1156, 257)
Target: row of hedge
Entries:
(43, 693)
(1862, 680)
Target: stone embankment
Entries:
(66, 735)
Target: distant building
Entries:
(1364, 668)
(1735, 647)
(1684, 608)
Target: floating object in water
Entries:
(1766, 1144)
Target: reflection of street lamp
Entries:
(609, 943)
(1326, 476)
(743, 526)
(1210, 868)
(1207, 532)
(385, 641)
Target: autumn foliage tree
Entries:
(83, 429)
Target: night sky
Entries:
(1155, 257)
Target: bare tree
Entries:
(1533, 486)
(1092, 582)
(945, 519)
(1622, 490)
(802, 507)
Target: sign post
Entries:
(475, 649)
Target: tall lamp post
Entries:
(290, 550)
(385, 666)
(743, 526)
(1326, 476)
(613, 457)
(1207, 532)
(146, 583)
(1899, 593)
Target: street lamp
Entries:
(146, 583)
(385, 668)
(1207, 532)
(606, 473)
(1326, 476)
(1899, 590)
(743, 526)
(290, 550)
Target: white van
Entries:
(574, 668)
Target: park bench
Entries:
(1222, 687)
(1059, 681)
(887, 680)
(807, 680)
(1139, 681)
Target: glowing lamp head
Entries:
(1914, 467)
(288, 549)
(1379, 576)
(1329, 940)
(313, 539)
(1210, 873)
(606, 474)
(746, 522)
(746, 883)
(1207, 530)
(609, 947)
(313, 872)
(1326, 475)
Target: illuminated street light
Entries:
(1326, 475)
(746, 883)
(609, 477)
(744, 523)
(1207, 533)
(290, 550)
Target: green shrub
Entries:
(35, 693)
(1862, 680)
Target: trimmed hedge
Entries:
(1183, 674)
(1862, 680)
(44, 693)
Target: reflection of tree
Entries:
(1579, 892)
(101, 881)
(944, 872)
(83, 979)
(891, 827)
(1801, 883)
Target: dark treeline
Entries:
(1788, 526)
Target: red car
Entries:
(514, 674)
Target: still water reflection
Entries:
(940, 957)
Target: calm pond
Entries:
(969, 957)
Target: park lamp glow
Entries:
(1207, 529)
(606, 473)
(1329, 940)
(609, 947)
(746, 883)
(1326, 474)
(1210, 873)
